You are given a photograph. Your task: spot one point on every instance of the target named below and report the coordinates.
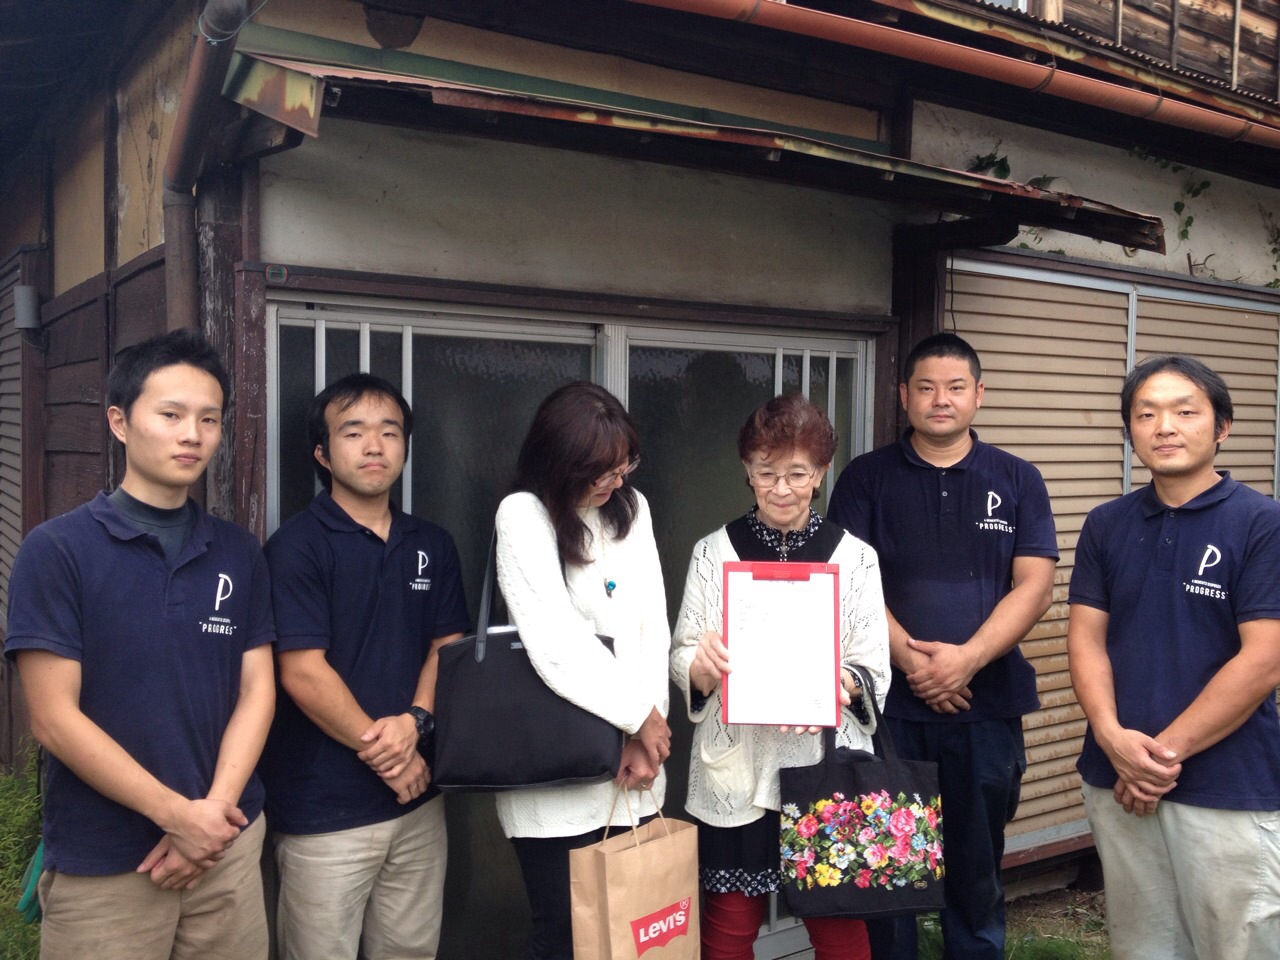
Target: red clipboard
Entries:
(776, 614)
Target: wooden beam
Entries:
(1173, 32)
(1235, 46)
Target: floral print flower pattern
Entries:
(873, 840)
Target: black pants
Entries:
(980, 767)
(544, 862)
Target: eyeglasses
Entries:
(768, 479)
(618, 474)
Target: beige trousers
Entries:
(127, 917)
(374, 891)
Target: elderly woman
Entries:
(786, 447)
(577, 558)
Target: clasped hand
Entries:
(1145, 768)
(197, 837)
(392, 744)
(645, 752)
(393, 755)
(939, 674)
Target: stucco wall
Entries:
(1230, 237)
(21, 203)
(78, 247)
(366, 197)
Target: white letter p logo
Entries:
(422, 561)
(1210, 559)
(993, 501)
(224, 591)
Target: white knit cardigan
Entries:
(733, 768)
(559, 617)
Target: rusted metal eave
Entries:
(901, 180)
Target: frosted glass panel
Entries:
(792, 372)
(341, 353)
(297, 386)
(385, 351)
(842, 419)
(473, 401)
(689, 405)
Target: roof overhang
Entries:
(293, 92)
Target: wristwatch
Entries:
(425, 721)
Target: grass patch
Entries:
(1060, 925)
(19, 834)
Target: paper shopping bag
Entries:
(635, 895)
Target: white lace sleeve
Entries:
(701, 610)
(865, 631)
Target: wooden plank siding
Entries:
(1197, 35)
(1053, 362)
(74, 428)
(13, 723)
(1244, 347)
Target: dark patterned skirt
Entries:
(745, 858)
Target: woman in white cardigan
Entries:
(577, 558)
(786, 447)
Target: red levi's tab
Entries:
(661, 927)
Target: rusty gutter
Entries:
(975, 21)
(1033, 77)
(216, 27)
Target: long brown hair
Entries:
(579, 434)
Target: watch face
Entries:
(424, 720)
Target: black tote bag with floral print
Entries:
(861, 833)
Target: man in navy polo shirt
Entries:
(141, 627)
(1174, 647)
(967, 548)
(365, 596)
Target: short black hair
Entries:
(128, 377)
(942, 345)
(346, 393)
(1214, 387)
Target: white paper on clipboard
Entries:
(782, 629)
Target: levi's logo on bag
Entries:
(661, 927)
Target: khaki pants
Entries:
(375, 891)
(1188, 883)
(127, 917)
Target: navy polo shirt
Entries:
(946, 538)
(1175, 583)
(160, 647)
(374, 607)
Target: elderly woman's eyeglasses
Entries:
(618, 474)
(768, 479)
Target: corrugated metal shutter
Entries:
(1243, 346)
(10, 431)
(1053, 362)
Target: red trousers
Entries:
(731, 921)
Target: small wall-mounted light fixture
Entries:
(26, 307)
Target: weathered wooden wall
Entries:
(67, 456)
(21, 389)
(1196, 35)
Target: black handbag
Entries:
(861, 834)
(500, 727)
